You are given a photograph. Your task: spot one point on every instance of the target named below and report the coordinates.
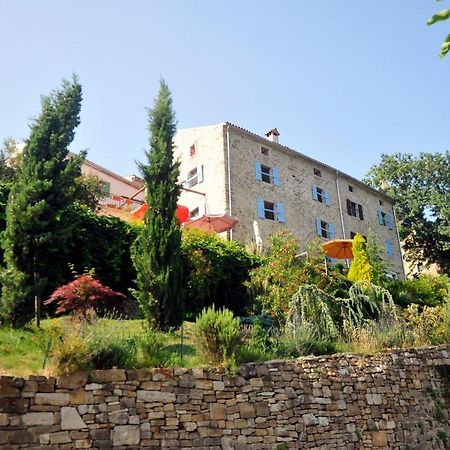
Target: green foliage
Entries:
(278, 277)
(360, 268)
(305, 340)
(157, 251)
(378, 264)
(440, 16)
(421, 186)
(311, 305)
(101, 243)
(44, 187)
(423, 290)
(218, 336)
(216, 271)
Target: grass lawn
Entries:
(22, 351)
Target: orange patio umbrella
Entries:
(339, 248)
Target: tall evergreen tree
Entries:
(157, 251)
(44, 187)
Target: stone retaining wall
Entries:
(395, 400)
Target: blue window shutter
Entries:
(314, 192)
(327, 198)
(389, 247)
(260, 207)
(380, 217)
(276, 176)
(331, 232)
(279, 212)
(318, 226)
(258, 173)
(390, 221)
(199, 174)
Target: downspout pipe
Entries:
(398, 241)
(340, 205)
(229, 175)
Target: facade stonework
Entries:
(396, 400)
(304, 193)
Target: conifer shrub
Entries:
(218, 336)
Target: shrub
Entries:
(218, 335)
(151, 344)
(83, 295)
(424, 290)
(86, 345)
(215, 269)
(360, 268)
(304, 340)
(278, 277)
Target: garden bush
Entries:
(216, 273)
(85, 295)
(424, 290)
(218, 336)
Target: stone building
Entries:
(226, 168)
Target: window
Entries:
(194, 213)
(320, 195)
(389, 245)
(264, 151)
(192, 150)
(386, 220)
(353, 234)
(350, 188)
(267, 174)
(105, 187)
(317, 172)
(380, 202)
(355, 210)
(324, 229)
(270, 210)
(194, 176)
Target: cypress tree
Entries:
(44, 187)
(156, 252)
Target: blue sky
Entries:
(342, 80)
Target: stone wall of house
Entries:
(396, 400)
(297, 177)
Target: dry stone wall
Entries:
(396, 400)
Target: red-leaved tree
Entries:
(83, 295)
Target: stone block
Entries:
(52, 398)
(13, 405)
(72, 381)
(156, 396)
(38, 419)
(107, 376)
(60, 438)
(70, 419)
(246, 410)
(81, 397)
(218, 411)
(379, 439)
(126, 435)
(4, 419)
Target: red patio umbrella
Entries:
(182, 212)
(215, 223)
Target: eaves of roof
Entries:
(291, 151)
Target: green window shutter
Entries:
(106, 187)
